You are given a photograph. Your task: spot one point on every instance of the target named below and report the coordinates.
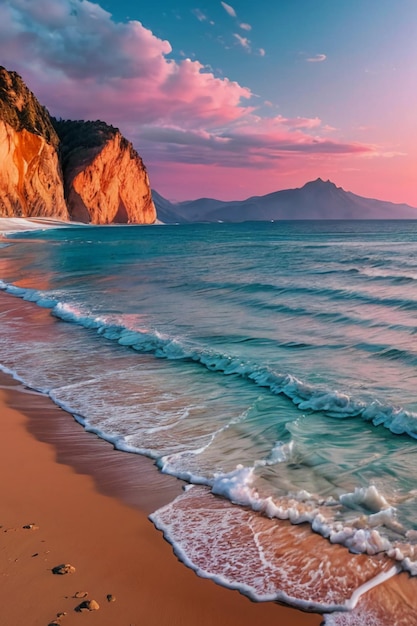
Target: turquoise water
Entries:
(273, 363)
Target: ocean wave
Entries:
(280, 562)
(362, 532)
(239, 485)
(307, 397)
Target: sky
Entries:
(232, 100)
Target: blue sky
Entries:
(234, 99)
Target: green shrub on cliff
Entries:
(21, 110)
(78, 136)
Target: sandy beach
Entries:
(15, 224)
(70, 499)
(86, 506)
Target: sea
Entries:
(269, 365)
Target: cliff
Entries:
(84, 171)
(31, 182)
(105, 180)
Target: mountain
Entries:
(316, 200)
(85, 171)
(165, 209)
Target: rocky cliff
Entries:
(30, 174)
(105, 179)
(84, 171)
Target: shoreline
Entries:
(20, 224)
(91, 504)
(96, 520)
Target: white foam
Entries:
(280, 453)
(368, 497)
(271, 563)
(305, 396)
(370, 584)
(239, 487)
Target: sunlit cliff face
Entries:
(30, 176)
(111, 187)
(88, 173)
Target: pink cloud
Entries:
(301, 122)
(251, 142)
(83, 65)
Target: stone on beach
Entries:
(31, 527)
(65, 568)
(88, 605)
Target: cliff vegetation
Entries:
(81, 170)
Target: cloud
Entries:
(327, 128)
(319, 58)
(301, 122)
(82, 64)
(79, 39)
(244, 42)
(245, 26)
(251, 143)
(230, 10)
(261, 52)
(199, 15)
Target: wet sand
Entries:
(89, 505)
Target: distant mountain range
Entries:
(316, 200)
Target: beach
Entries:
(87, 507)
(70, 498)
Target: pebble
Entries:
(65, 568)
(31, 527)
(88, 605)
(110, 597)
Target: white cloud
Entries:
(245, 26)
(244, 41)
(199, 15)
(261, 52)
(319, 58)
(230, 10)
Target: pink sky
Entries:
(200, 133)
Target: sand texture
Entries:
(59, 508)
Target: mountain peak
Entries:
(317, 200)
(319, 182)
